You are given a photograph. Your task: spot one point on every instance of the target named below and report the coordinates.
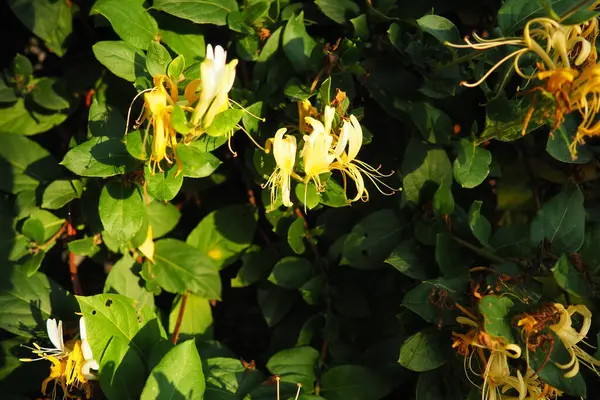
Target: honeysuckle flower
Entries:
(217, 78)
(284, 152)
(317, 151)
(529, 387)
(158, 104)
(147, 248)
(351, 136)
(570, 338)
(305, 109)
(72, 362)
(557, 46)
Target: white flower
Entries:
(89, 363)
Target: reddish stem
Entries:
(175, 336)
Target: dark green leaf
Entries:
(50, 93)
(165, 185)
(295, 365)
(121, 211)
(130, 20)
(339, 11)
(479, 224)
(99, 157)
(291, 272)
(472, 165)
(569, 279)
(423, 351)
(205, 12)
(59, 193)
(157, 60)
(122, 59)
(354, 382)
(561, 221)
(440, 28)
(297, 44)
(496, 316)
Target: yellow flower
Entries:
(570, 338)
(158, 104)
(305, 109)
(284, 152)
(351, 136)
(72, 363)
(216, 81)
(316, 153)
(558, 46)
(529, 386)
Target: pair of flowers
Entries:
(327, 147)
(566, 68)
(204, 99)
(72, 362)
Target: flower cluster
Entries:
(72, 362)
(500, 379)
(330, 142)
(566, 71)
(204, 98)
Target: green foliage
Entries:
(156, 223)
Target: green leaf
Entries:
(225, 122)
(295, 365)
(256, 264)
(122, 370)
(224, 233)
(291, 272)
(109, 316)
(449, 257)
(157, 60)
(275, 302)
(176, 68)
(443, 201)
(50, 93)
(472, 165)
(296, 236)
(424, 169)
(196, 322)
(122, 59)
(163, 185)
(183, 38)
(20, 119)
(334, 195)
(179, 267)
(163, 217)
(130, 20)
(407, 260)
(309, 194)
(24, 163)
(27, 301)
(121, 211)
(99, 157)
(297, 44)
(561, 221)
(196, 163)
(178, 375)
(372, 239)
(225, 377)
(479, 224)
(440, 28)
(569, 279)
(84, 247)
(514, 14)
(61, 192)
(558, 143)
(354, 382)
(338, 11)
(205, 12)
(41, 226)
(435, 125)
(106, 120)
(50, 20)
(419, 301)
(424, 351)
(122, 280)
(496, 316)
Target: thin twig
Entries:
(73, 265)
(175, 336)
(54, 237)
(479, 251)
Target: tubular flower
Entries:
(351, 136)
(72, 362)
(284, 151)
(558, 46)
(305, 109)
(216, 81)
(157, 110)
(570, 338)
(529, 387)
(316, 153)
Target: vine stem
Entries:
(479, 251)
(175, 336)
